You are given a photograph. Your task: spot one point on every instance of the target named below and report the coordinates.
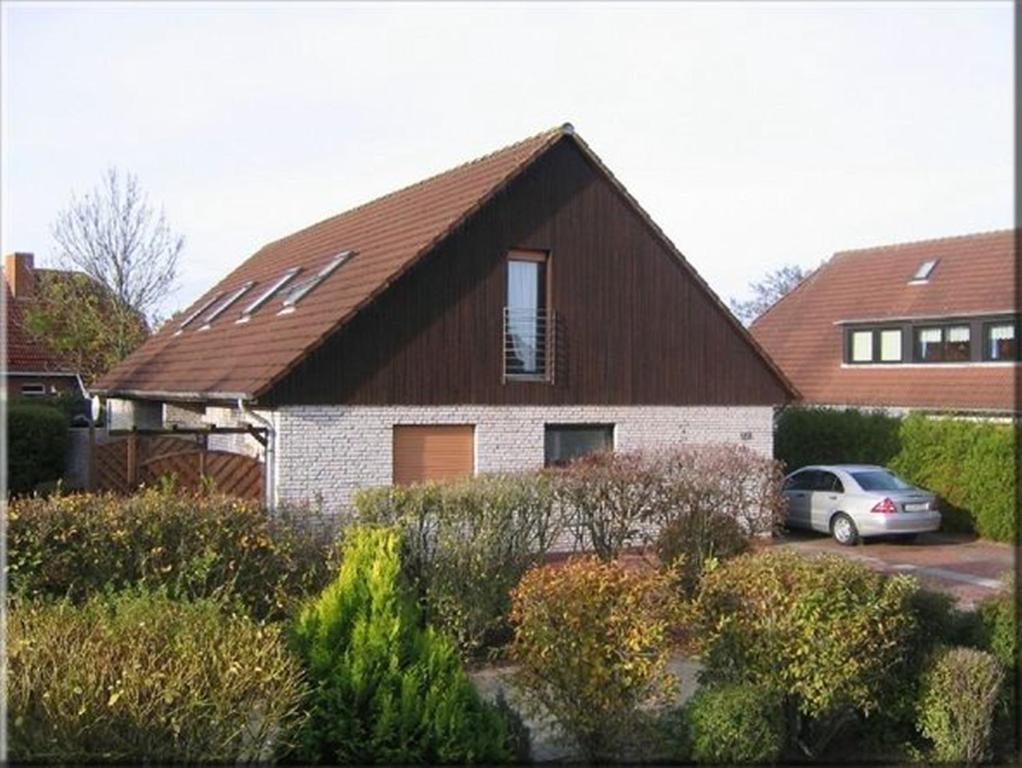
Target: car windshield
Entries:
(880, 480)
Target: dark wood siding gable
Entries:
(633, 326)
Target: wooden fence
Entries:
(124, 464)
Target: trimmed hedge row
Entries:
(972, 465)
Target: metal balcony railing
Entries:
(528, 344)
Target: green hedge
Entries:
(37, 441)
(970, 464)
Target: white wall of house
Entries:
(325, 453)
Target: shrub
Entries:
(195, 546)
(972, 465)
(591, 639)
(956, 709)
(140, 677)
(808, 435)
(37, 442)
(832, 634)
(715, 498)
(466, 545)
(692, 543)
(736, 723)
(996, 631)
(724, 479)
(609, 500)
(385, 689)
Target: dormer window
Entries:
(220, 308)
(302, 289)
(269, 293)
(923, 273)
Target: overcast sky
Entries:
(754, 134)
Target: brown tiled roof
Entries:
(25, 353)
(387, 235)
(974, 274)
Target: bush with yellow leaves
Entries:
(592, 641)
(193, 545)
(138, 677)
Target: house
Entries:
(31, 368)
(929, 325)
(515, 311)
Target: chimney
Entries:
(18, 274)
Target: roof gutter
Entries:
(181, 396)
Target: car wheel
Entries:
(843, 530)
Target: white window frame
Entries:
(302, 290)
(269, 293)
(226, 304)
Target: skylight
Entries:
(219, 309)
(923, 273)
(302, 289)
(196, 313)
(265, 296)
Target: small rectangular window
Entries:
(268, 294)
(202, 308)
(890, 346)
(923, 272)
(957, 344)
(929, 345)
(220, 308)
(302, 289)
(1001, 343)
(33, 390)
(862, 347)
(565, 442)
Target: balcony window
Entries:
(525, 316)
(1000, 343)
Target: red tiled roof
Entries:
(26, 354)
(387, 235)
(974, 274)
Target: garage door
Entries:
(433, 452)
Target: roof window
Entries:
(923, 273)
(302, 289)
(265, 296)
(196, 313)
(219, 309)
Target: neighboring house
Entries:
(515, 311)
(926, 325)
(31, 369)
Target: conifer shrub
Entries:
(466, 544)
(38, 440)
(736, 723)
(592, 642)
(193, 545)
(385, 688)
(139, 678)
(956, 709)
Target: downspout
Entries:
(269, 476)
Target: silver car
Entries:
(853, 501)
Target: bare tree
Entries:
(767, 291)
(113, 235)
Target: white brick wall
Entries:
(325, 453)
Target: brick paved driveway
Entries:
(966, 567)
